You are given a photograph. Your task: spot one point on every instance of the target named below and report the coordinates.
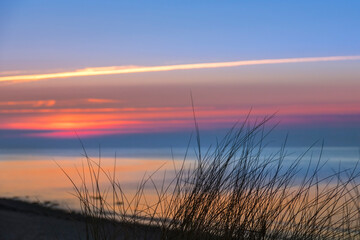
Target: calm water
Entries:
(34, 174)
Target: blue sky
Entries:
(64, 34)
(41, 37)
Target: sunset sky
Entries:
(117, 71)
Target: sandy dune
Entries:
(23, 220)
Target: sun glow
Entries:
(98, 121)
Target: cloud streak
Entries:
(115, 70)
(45, 103)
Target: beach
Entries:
(25, 220)
(22, 219)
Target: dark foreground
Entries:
(25, 220)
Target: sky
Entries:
(121, 73)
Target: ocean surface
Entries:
(39, 175)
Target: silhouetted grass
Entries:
(232, 191)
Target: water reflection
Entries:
(35, 173)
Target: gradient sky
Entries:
(315, 96)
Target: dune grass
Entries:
(231, 191)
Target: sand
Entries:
(24, 220)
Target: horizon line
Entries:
(115, 70)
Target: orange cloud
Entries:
(98, 100)
(107, 121)
(178, 112)
(44, 103)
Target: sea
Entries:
(51, 175)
